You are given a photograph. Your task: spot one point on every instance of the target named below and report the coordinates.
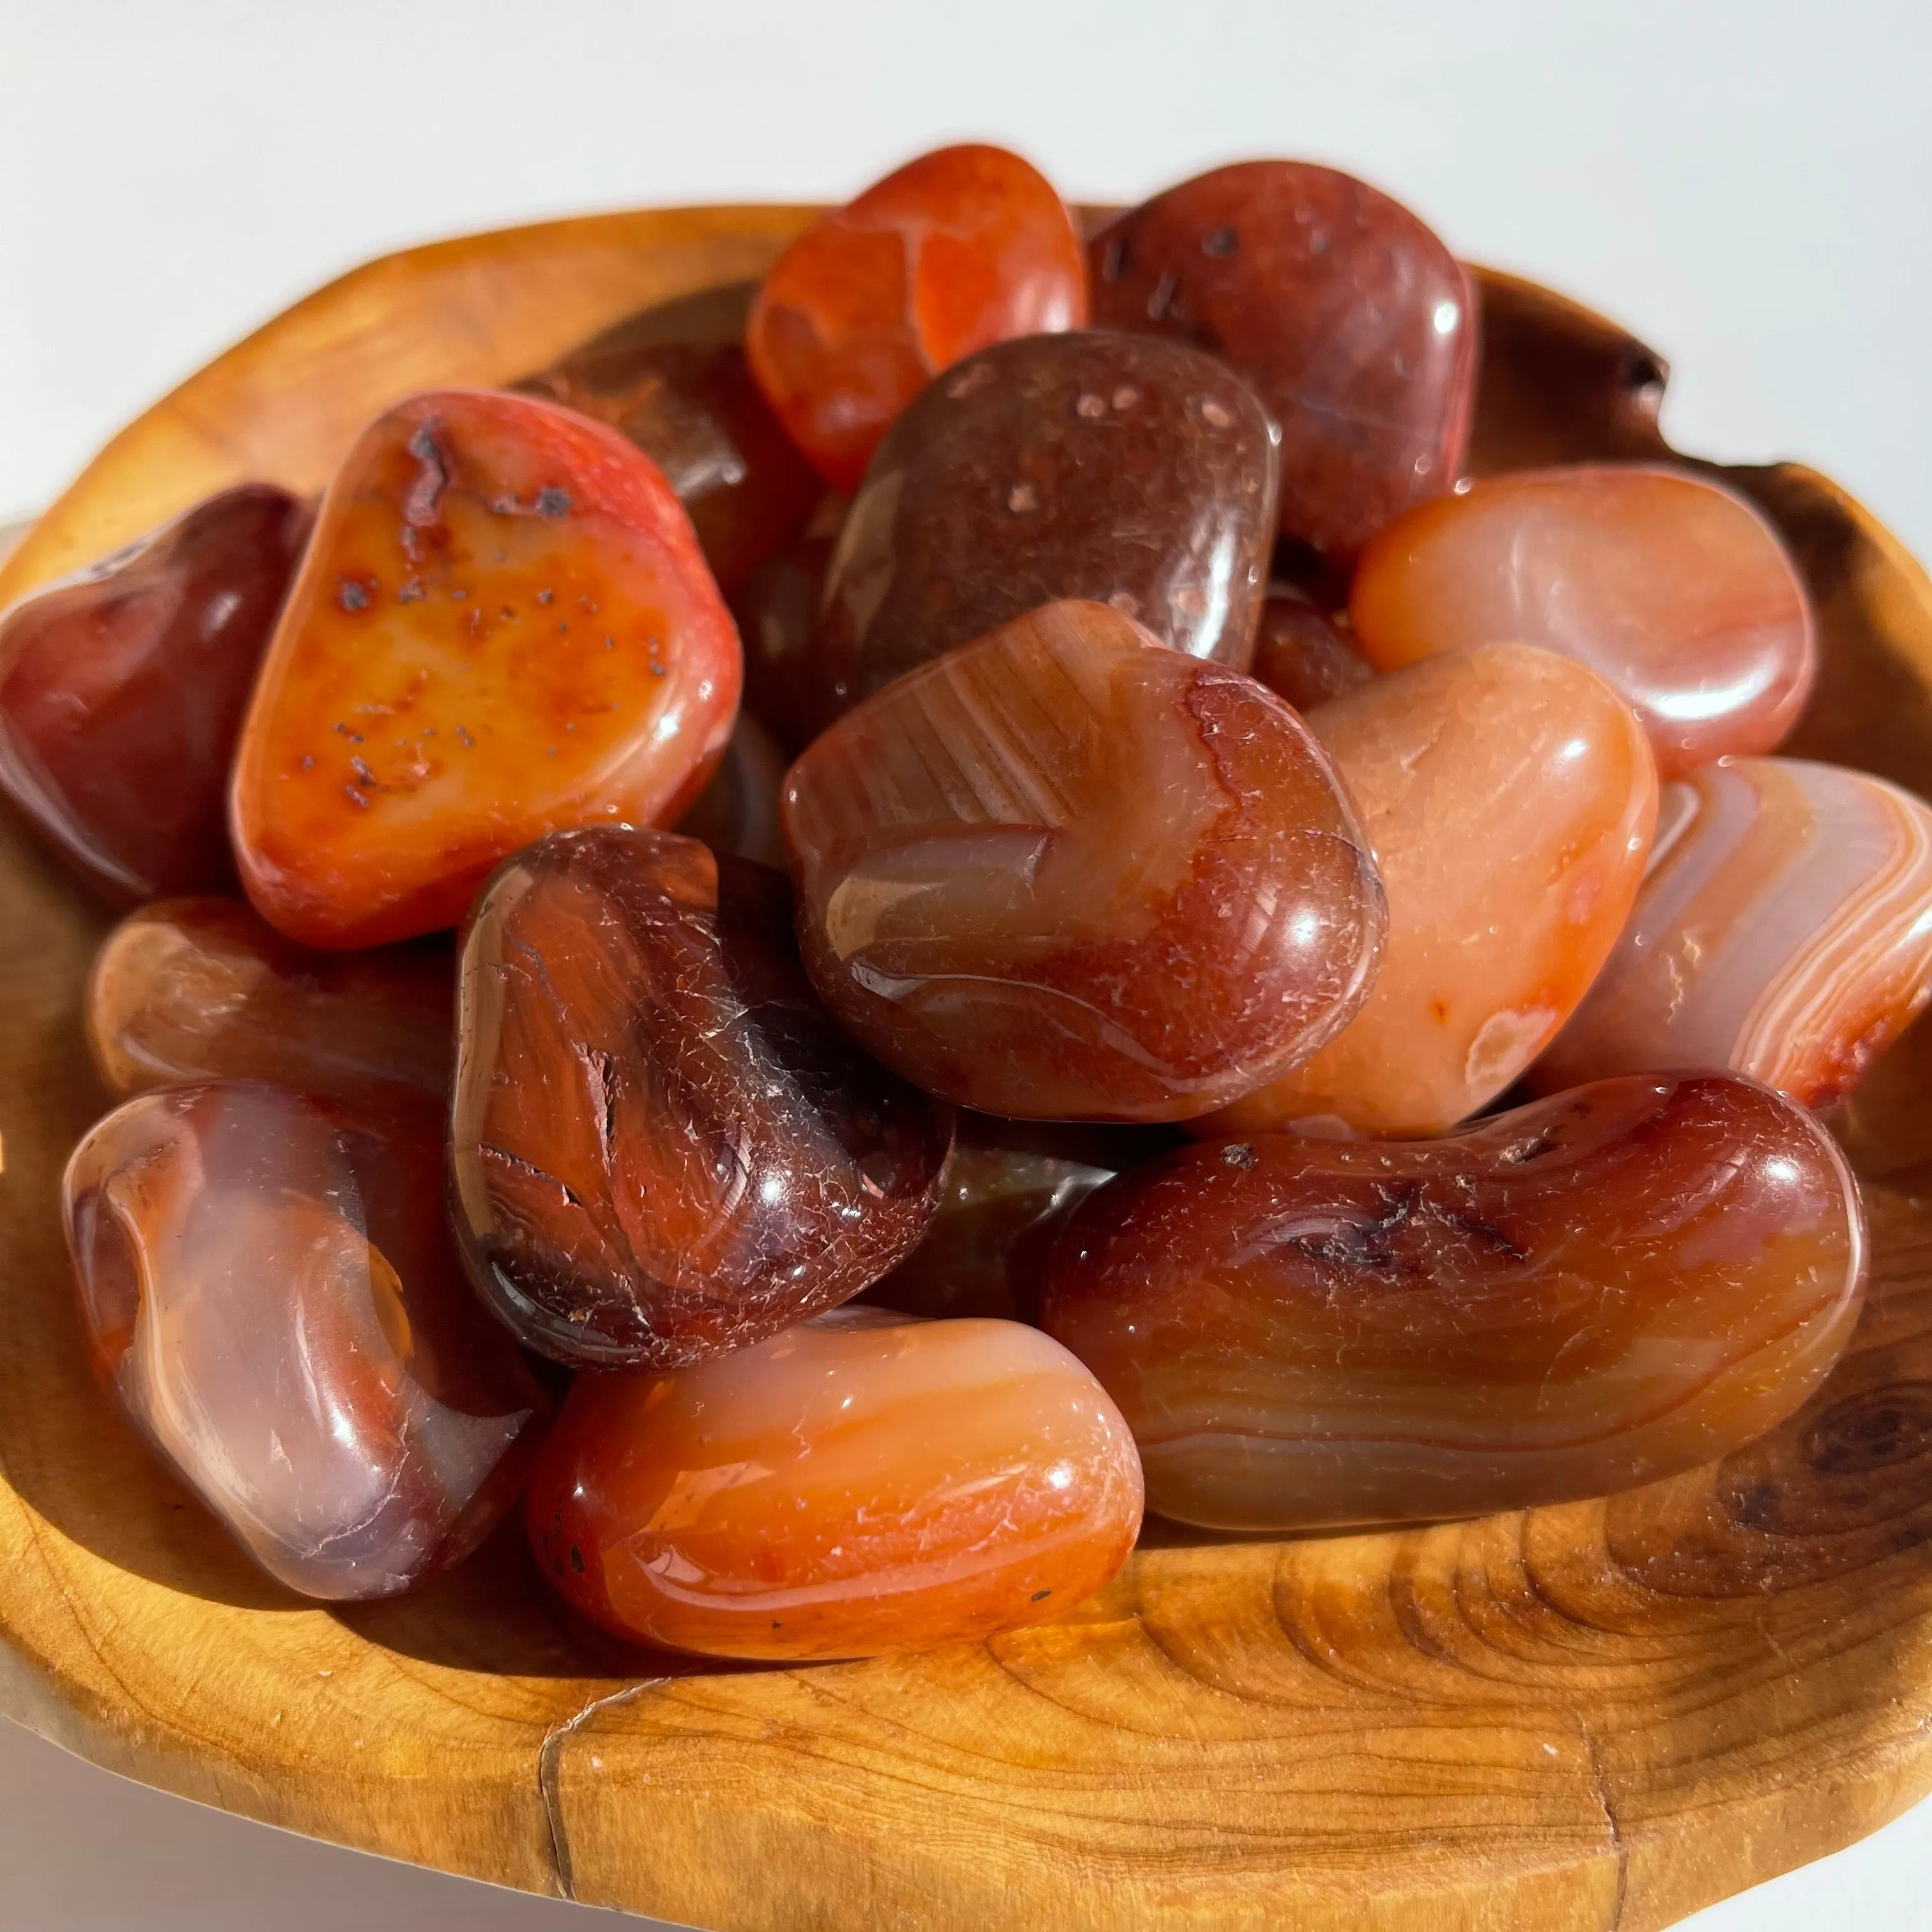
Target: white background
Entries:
(1747, 183)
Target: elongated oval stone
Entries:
(503, 626)
(1355, 325)
(1510, 797)
(660, 1146)
(1672, 589)
(863, 1482)
(122, 692)
(1587, 1293)
(268, 1291)
(1785, 932)
(1122, 469)
(1063, 872)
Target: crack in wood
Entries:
(549, 1757)
(1600, 1789)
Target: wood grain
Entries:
(1603, 1715)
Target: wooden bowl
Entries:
(1607, 1714)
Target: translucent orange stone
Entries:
(1587, 1293)
(1510, 797)
(1785, 931)
(1675, 591)
(268, 1290)
(1065, 873)
(192, 989)
(959, 249)
(504, 626)
(863, 1482)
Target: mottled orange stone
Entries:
(956, 251)
(1672, 588)
(1065, 873)
(192, 989)
(863, 1482)
(503, 627)
(1510, 797)
(268, 1290)
(1590, 1292)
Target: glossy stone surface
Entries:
(122, 689)
(863, 1482)
(503, 626)
(1303, 656)
(1355, 325)
(1785, 932)
(268, 1291)
(738, 811)
(1510, 798)
(777, 611)
(1008, 1185)
(1063, 872)
(205, 988)
(1123, 470)
(961, 248)
(1589, 1292)
(1675, 591)
(693, 409)
(661, 1146)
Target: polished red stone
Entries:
(504, 626)
(1121, 469)
(661, 1146)
(777, 609)
(961, 248)
(192, 989)
(863, 1482)
(121, 691)
(692, 408)
(267, 1288)
(1064, 872)
(738, 811)
(1590, 1292)
(1301, 655)
(1354, 323)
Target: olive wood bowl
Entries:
(1606, 1714)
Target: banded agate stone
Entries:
(267, 1292)
(1123, 470)
(959, 249)
(660, 1146)
(504, 626)
(693, 409)
(738, 811)
(1674, 590)
(122, 692)
(1303, 656)
(1585, 1293)
(1356, 325)
(1785, 933)
(1510, 797)
(863, 1482)
(196, 989)
(1064, 873)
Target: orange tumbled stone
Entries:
(1675, 591)
(1063, 872)
(955, 251)
(1510, 797)
(863, 1482)
(504, 627)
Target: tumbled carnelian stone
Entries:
(1303, 656)
(205, 988)
(1672, 589)
(122, 690)
(737, 811)
(777, 609)
(504, 626)
(961, 248)
(863, 1482)
(268, 1291)
(1121, 469)
(1587, 1293)
(1510, 797)
(661, 1146)
(1064, 872)
(1354, 323)
(692, 408)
